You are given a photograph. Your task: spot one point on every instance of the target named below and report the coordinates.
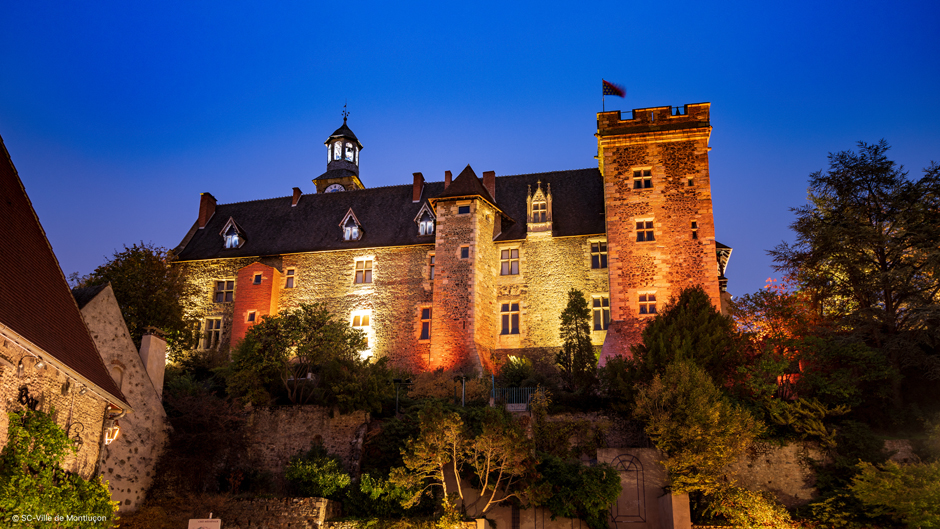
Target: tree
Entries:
(576, 358)
(695, 426)
(866, 248)
(910, 493)
(689, 329)
(148, 291)
(33, 482)
(580, 491)
(309, 356)
(501, 458)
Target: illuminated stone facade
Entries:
(460, 273)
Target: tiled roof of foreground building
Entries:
(387, 216)
(35, 300)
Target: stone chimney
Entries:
(418, 187)
(296, 198)
(447, 178)
(489, 182)
(153, 354)
(206, 208)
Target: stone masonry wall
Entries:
(128, 462)
(301, 513)
(85, 412)
(675, 149)
(278, 433)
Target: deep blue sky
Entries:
(119, 114)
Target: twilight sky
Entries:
(118, 115)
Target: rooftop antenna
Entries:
(345, 113)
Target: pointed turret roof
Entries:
(344, 132)
(467, 185)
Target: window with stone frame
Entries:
(509, 262)
(644, 231)
(464, 252)
(351, 230)
(642, 178)
(291, 277)
(599, 254)
(509, 317)
(601, 310)
(363, 271)
(694, 230)
(232, 239)
(647, 303)
(539, 211)
(362, 321)
(212, 333)
(252, 315)
(257, 279)
(425, 323)
(224, 291)
(431, 267)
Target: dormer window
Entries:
(352, 230)
(232, 235)
(539, 212)
(231, 238)
(539, 208)
(425, 220)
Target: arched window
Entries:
(351, 230)
(232, 240)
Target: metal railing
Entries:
(515, 399)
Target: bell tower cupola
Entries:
(342, 165)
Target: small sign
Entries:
(206, 523)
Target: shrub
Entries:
(747, 509)
(440, 384)
(579, 491)
(317, 474)
(517, 372)
(32, 480)
(910, 493)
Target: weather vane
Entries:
(345, 113)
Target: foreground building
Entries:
(458, 274)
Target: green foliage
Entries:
(375, 496)
(317, 474)
(909, 493)
(694, 425)
(554, 437)
(746, 509)
(688, 329)
(148, 290)
(309, 356)
(842, 373)
(805, 417)
(501, 458)
(618, 380)
(577, 359)
(32, 480)
(517, 372)
(578, 491)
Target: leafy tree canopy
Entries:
(148, 290)
(579, 491)
(695, 426)
(309, 356)
(32, 480)
(866, 248)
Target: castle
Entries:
(460, 273)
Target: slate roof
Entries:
(467, 185)
(35, 300)
(344, 132)
(84, 295)
(273, 227)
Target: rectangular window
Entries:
(463, 210)
(647, 303)
(257, 280)
(362, 321)
(509, 314)
(691, 181)
(464, 252)
(598, 255)
(601, 313)
(426, 323)
(644, 231)
(642, 179)
(509, 262)
(539, 212)
(431, 267)
(364, 271)
(694, 230)
(213, 333)
(290, 278)
(251, 316)
(224, 291)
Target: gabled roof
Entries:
(35, 300)
(466, 185)
(387, 216)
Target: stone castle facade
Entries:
(458, 274)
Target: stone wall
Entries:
(82, 416)
(675, 149)
(278, 433)
(277, 513)
(128, 463)
(783, 470)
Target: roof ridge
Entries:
(547, 172)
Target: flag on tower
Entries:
(610, 89)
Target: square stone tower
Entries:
(658, 209)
